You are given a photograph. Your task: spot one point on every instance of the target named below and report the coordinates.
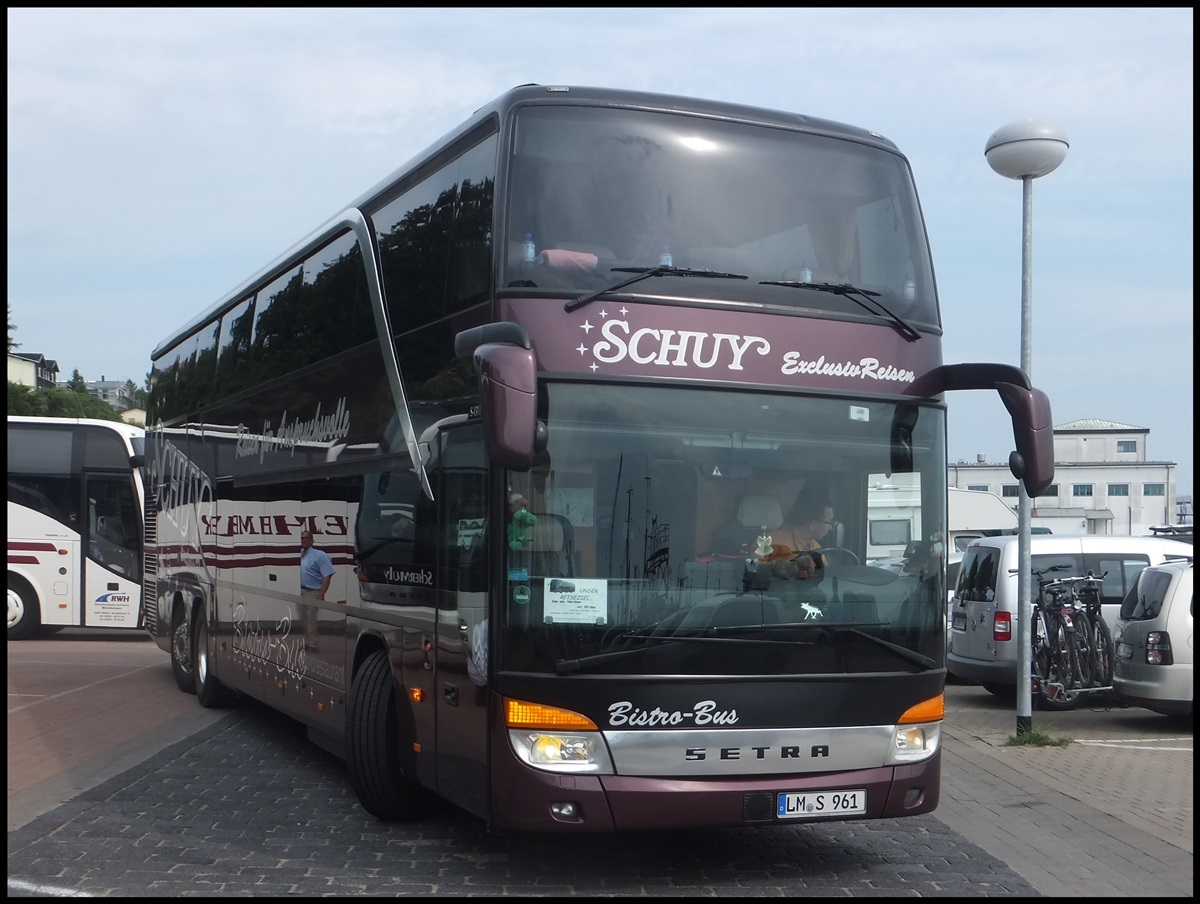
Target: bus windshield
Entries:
(594, 190)
(637, 530)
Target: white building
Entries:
(33, 370)
(118, 393)
(1103, 482)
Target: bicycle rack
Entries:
(1056, 687)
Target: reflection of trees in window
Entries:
(471, 253)
(272, 351)
(333, 311)
(435, 241)
(430, 369)
(414, 241)
(435, 248)
(471, 248)
(237, 324)
(169, 395)
(312, 312)
(205, 375)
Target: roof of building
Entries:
(38, 358)
(1095, 423)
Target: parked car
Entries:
(1154, 649)
(984, 627)
(953, 564)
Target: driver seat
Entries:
(754, 513)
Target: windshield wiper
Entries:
(645, 273)
(917, 659)
(864, 298)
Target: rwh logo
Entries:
(114, 598)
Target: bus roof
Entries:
(128, 430)
(499, 108)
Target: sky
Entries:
(157, 158)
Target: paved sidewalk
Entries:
(1110, 815)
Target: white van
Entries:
(983, 628)
(1154, 649)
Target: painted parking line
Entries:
(1183, 745)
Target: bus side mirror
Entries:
(1033, 461)
(507, 374)
(508, 396)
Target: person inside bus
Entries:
(793, 544)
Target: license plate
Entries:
(808, 804)
(960, 621)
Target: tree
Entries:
(11, 328)
(25, 400)
(67, 403)
(141, 395)
(77, 383)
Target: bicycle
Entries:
(1086, 642)
(1100, 636)
(1054, 661)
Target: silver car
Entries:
(1153, 637)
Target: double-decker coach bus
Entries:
(542, 396)
(74, 524)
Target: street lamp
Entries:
(1025, 150)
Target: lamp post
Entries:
(1025, 150)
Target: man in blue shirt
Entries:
(316, 568)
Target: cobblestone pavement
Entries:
(250, 807)
(243, 804)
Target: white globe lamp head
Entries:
(1026, 148)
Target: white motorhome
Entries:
(894, 518)
(976, 513)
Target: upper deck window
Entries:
(597, 188)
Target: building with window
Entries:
(118, 393)
(1104, 482)
(33, 370)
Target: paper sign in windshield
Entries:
(575, 601)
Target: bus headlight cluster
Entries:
(558, 740)
(913, 743)
(919, 732)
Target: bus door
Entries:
(111, 533)
(461, 682)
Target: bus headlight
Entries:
(560, 752)
(558, 740)
(913, 743)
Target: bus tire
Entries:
(211, 693)
(24, 610)
(182, 664)
(373, 744)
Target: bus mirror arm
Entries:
(1033, 429)
(467, 341)
(508, 398)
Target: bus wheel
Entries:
(373, 744)
(211, 693)
(24, 614)
(182, 665)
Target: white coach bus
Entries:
(75, 510)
